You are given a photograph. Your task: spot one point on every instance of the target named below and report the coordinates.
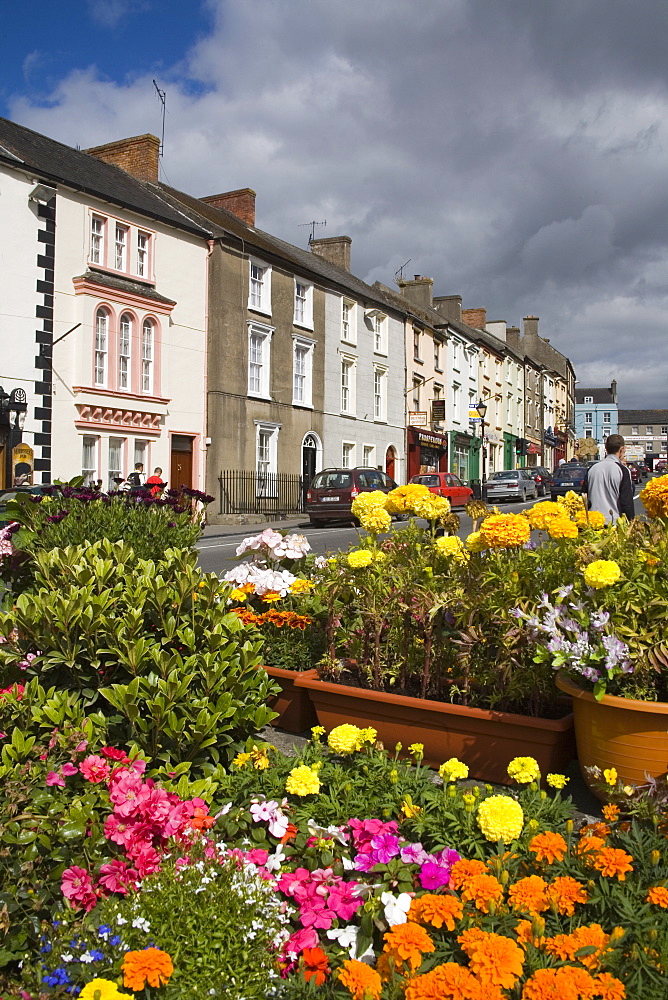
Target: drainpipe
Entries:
(205, 429)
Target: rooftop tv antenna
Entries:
(162, 96)
(399, 275)
(311, 226)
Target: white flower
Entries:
(67, 957)
(87, 958)
(224, 811)
(275, 860)
(141, 924)
(120, 920)
(396, 907)
(326, 832)
(348, 865)
(346, 937)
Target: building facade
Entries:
(645, 433)
(596, 414)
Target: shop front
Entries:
(534, 454)
(550, 445)
(510, 457)
(560, 447)
(427, 452)
(464, 456)
(495, 456)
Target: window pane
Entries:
(147, 357)
(101, 346)
(120, 248)
(89, 460)
(255, 363)
(96, 238)
(115, 461)
(124, 341)
(142, 254)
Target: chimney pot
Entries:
(138, 155)
(449, 306)
(418, 291)
(240, 203)
(335, 249)
(477, 318)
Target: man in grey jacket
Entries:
(608, 483)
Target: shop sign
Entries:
(474, 416)
(534, 449)
(431, 440)
(417, 418)
(23, 460)
(437, 409)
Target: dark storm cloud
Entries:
(516, 151)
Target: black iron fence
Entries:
(260, 493)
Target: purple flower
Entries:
(516, 613)
(364, 862)
(433, 876)
(414, 854)
(384, 847)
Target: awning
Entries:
(534, 449)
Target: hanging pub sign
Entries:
(23, 460)
(437, 409)
(417, 418)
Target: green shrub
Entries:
(148, 643)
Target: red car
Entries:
(445, 484)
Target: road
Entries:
(217, 551)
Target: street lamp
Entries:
(481, 407)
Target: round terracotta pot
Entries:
(629, 735)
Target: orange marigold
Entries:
(658, 894)
(611, 812)
(407, 943)
(315, 965)
(436, 910)
(611, 862)
(529, 894)
(361, 981)
(482, 890)
(525, 934)
(565, 946)
(150, 967)
(548, 847)
(596, 829)
(495, 959)
(463, 870)
(566, 983)
(449, 982)
(589, 845)
(609, 988)
(564, 893)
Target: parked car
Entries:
(332, 491)
(660, 466)
(514, 484)
(635, 472)
(445, 484)
(567, 477)
(541, 477)
(9, 494)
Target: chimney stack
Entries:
(138, 156)
(477, 318)
(531, 326)
(418, 291)
(449, 306)
(613, 390)
(240, 203)
(513, 337)
(335, 249)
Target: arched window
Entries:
(124, 346)
(101, 346)
(147, 349)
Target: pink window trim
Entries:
(108, 246)
(137, 357)
(111, 345)
(113, 334)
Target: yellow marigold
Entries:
(361, 981)
(302, 780)
(496, 960)
(370, 500)
(541, 514)
(505, 531)
(150, 967)
(564, 893)
(430, 507)
(463, 870)
(408, 808)
(235, 595)
(436, 911)
(447, 981)
(565, 946)
(562, 527)
(270, 596)
(528, 895)
(349, 739)
(602, 573)
(500, 818)
(573, 502)
(241, 760)
(105, 988)
(613, 862)
(475, 542)
(449, 545)
(523, 770)
(401, 499)
(655, 497)
(548, 847)
(300, 586)
(407, 943)
(453, 770)
(565, 983)
(360, 558)
(557, 780)
(590, 519)
(375, 521)
(481, 890)
(658, 894)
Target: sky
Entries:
(515, 151)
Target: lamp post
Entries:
(481, 407)
(13, 408)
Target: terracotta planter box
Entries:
(629, 735)
(296, 712)
(486, 741)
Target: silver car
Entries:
(514, 484)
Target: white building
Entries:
(128, 316)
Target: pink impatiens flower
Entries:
(53, 778)
(69, 769)
(118, 876)
(95, 769)
(76, 885)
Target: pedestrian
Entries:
(562, 461)
(135, 479)
(155, 482)
(608, 483)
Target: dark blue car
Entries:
(567, 477)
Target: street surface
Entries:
(217, 547)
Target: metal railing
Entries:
(260, 493)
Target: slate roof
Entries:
(647, 417)
(599, 395)
(124, 285)
(55, 161)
